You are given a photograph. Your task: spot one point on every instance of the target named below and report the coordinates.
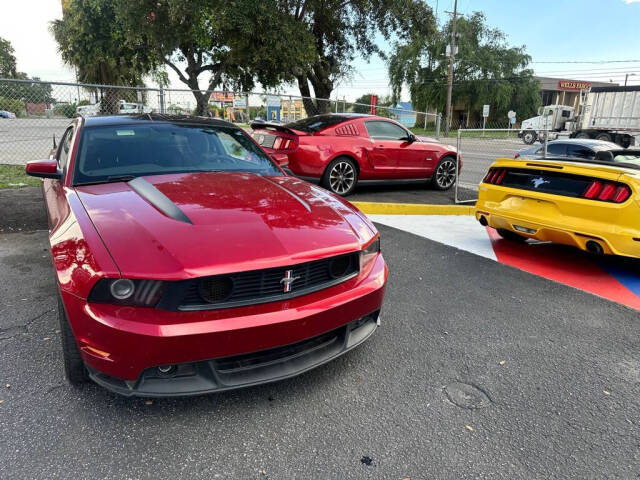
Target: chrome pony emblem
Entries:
(538, 181)
(288, 280)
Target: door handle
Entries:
(379, 146)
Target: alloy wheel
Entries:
(341, 177)
(446, 174)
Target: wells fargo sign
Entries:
(573, 85)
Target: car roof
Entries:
(588, 142)
(106, 120)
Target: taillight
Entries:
(495, 176)
(516, 155)
(277, 142)
(607, 191)
(285, 144)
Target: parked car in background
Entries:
(342, 150)
(591, 204)
(6, 114)
(188, 262)
(570, 147)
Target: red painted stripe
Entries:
(565, 265)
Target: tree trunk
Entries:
(322, 88)
(110, 103)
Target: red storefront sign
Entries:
(374, 104)
(573, 85)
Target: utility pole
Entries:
(452, 54)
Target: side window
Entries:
(566, 113)
(557, 149)
(379, 130)
(579, 151)
(65, 148)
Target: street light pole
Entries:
(450, 73)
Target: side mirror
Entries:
(411, 138)
(605, 155)
(43, 169)
(281, 159)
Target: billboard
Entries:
(222, 97)
(573, 85)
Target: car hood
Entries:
(230, 221)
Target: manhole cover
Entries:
(466, 396)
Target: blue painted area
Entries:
(628, 275)
(273, 113)
(402, 113)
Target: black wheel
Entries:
(74, 368)
(541, 138)
(582, 135)
(605, 137)
(341, 176)
(625, 141)
(511, 236)
(529, 137)
(444, 175)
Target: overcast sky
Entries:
(552, 31)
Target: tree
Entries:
(487, 70)
(338, 30)
(8, 63)
(91, 39)
(232, 43)
(366, 99)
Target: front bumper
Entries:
(122, 343)
(243, 370)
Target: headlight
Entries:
(368, 253)
(123, 291)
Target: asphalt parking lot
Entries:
(478, 370)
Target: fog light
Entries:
(167, 370)
(519, 228)
(122, 288)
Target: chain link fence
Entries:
(33, 112)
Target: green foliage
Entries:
(13, 176)
(8, 64)
(336, 31)
(27, 92)
(12, 105)
(65, 109)
(382, 102)
(82, 103)
(487, 70)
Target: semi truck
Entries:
(604, 113)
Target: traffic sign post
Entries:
(485, 114)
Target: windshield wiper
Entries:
(110, 179)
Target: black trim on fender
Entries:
(158, 199)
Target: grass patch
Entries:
(13, 176)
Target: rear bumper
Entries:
(576, 231)
(123, 342)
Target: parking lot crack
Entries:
(7, 333)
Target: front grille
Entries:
(260, 286)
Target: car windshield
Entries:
(317, 123)
(118, 151)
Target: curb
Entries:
(374, 208)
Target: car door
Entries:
(53, 188)
(392, 155)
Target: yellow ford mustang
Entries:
(590, 204)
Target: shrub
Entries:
(65, 109)
(11, 105)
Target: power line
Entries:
(588, 61)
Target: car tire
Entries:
(529, 137)
(541, 138)
(511, 236)
(605, 137)
(582, 135)
(444, 176)
(341, 176)
(74, 367)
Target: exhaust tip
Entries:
(594, 247)
(483, 221)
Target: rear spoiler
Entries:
(271, 126)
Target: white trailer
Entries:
(605, 113)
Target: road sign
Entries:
(511, 114)
(485, 111)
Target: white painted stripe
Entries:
(463, 232)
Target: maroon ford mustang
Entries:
(188, 262)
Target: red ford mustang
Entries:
(341, 150)
(188, 262)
